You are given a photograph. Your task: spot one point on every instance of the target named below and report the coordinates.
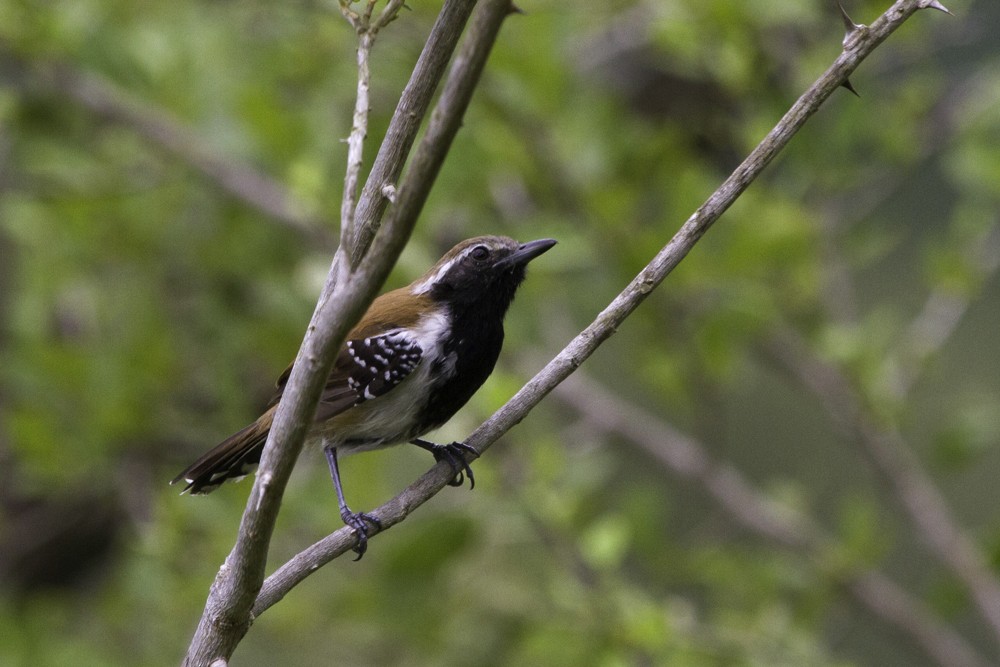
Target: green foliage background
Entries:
(144, 314)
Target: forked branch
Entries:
(860, 45)
(227, 615)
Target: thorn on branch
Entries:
(847, 84)
(933, 4)
(850, 27)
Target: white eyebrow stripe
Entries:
(426, 284)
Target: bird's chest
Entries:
(458, 354)
(467, 358)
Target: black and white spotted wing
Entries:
(380, 363)
(365, 369)
(368, 368)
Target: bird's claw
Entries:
(454, 455)
(358, 522)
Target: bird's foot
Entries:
(454, 454)
(358, 522)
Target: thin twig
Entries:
(388, 15)
(584, 344)
(413, 104)
(356, 140)
(367, 31)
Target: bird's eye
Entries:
(480, 252)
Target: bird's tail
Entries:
(232, 459)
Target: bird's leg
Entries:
(454, 454)
(356, 520)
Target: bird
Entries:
(414, 359)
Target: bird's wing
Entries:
(366, 368)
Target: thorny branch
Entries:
(861, 44)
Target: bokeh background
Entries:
(170, 178)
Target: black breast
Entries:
(474, 343)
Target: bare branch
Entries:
(388, 15)
(413, 104)
(227, 614)
(584, 344)
(367, 30)
(444, 124)
(356, 140)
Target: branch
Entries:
(355, 142)
(605, 412)
(359, 128)
(227, 614)
(894, 459)
(584, 344)
(413, 104)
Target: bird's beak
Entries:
(527, 252)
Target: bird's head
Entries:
(481, 268)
